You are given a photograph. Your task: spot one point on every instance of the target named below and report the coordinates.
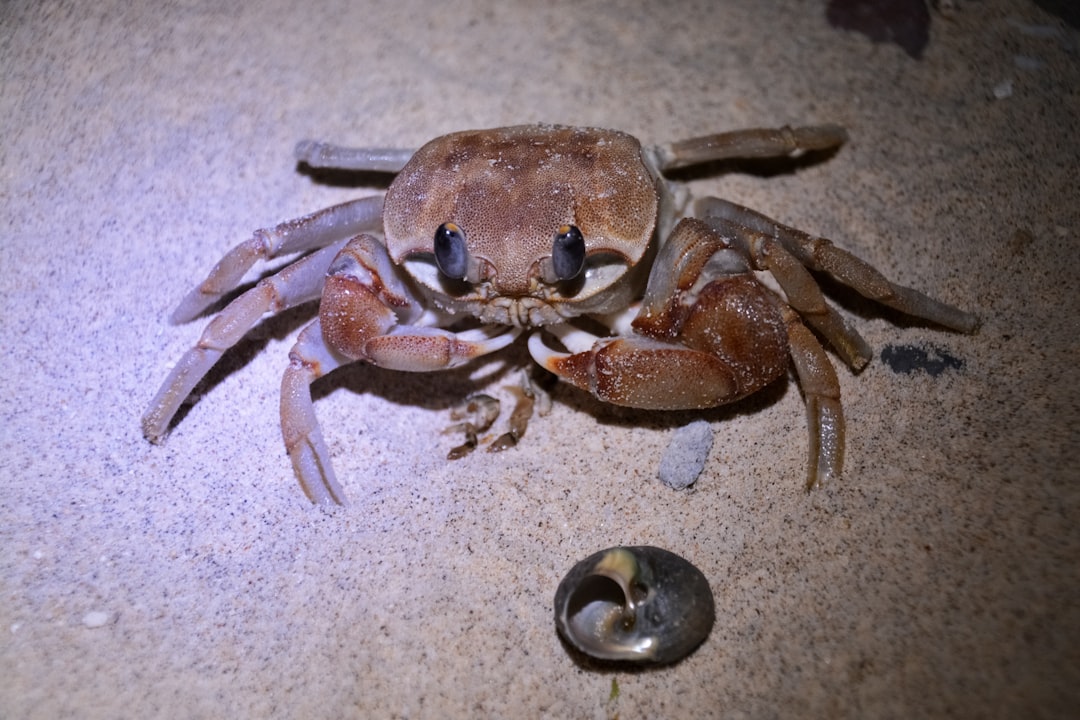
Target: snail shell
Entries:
(634, 604)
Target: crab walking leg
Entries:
(305, 233)
(751, 143)
(820, 254)
(824, 414)
(324, 155)
(296, 284)
(309, 360)
(802, 291)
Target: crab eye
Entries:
(451, 255)
(568, 253)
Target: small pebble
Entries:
(685, 457)
(96, 618)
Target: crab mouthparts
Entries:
(524, 312)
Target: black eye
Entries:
(568, 253)
(451, 255)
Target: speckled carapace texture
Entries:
(939, 577)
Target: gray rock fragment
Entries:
(685, 457)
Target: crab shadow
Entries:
(441, 391)
(431, 390)
(339, 178)
(767, 167)
(438, 390)
(615, 667)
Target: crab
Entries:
(574, 236)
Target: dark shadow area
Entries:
(928, 358)
(757, 167)
(905, 23)
(440, 390)
(334, 177)
(611, 667)
(1067, 10)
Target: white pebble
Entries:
(96, 618)
(685, 457)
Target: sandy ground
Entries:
(193, 580)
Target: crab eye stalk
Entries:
(567, 253)
(451, 255)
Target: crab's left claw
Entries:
(367, 314)
(708, 333)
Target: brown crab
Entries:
(567, 233)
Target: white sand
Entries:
(939, 577)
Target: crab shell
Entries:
(510, 191)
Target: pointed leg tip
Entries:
(178, 318)
(821, 478)
(193, 305)
(152, 430)
(311, 464)
(322, 495)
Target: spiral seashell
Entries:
(634, 604)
